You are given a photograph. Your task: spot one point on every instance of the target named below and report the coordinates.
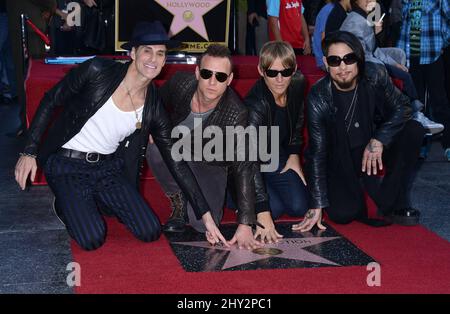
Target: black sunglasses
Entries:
(285, 73)
(335, 61)
(206, 75)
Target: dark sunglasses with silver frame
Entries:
(335, 61)
(284, 73)
(207, 74)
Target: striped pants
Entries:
(80, 187)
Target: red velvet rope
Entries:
(44, 37)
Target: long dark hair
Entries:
(350, 40)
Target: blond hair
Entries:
(277, 49)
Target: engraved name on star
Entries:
(188, 13)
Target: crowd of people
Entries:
(358, 122)
(95, 35)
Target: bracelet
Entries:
(27, 155)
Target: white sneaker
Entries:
(447, 154)
(431, 126)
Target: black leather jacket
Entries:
(261, 107)
(388, 116)
(82, 92)
(177, 94)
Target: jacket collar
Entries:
(360, 11)
(263, 89)
(186, 100)
(114, 84)
(325, 92)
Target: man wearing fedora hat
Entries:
(94, 150)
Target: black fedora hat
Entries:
(150, 33)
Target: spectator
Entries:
(392, 58)
(286, 22)
(97, 29)
(257, 24)
(312, 8)
(423, 38)
(7, 75)
(62, 35)
(319, 33)
(337, 15)
(39, 12)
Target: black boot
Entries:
(178, 219)
(405, 217)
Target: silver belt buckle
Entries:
(90, 160)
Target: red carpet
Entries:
(413, 260)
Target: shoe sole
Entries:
(174, 226)
(404, 221)
(434, 131)
(172, 230)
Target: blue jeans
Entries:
(287, 193)
(6, 59)
(408, 85)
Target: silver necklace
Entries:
(138, 123)
(351, 110)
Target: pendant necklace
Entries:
(138, 123)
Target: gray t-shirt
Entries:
(192, 121)
(189, 121)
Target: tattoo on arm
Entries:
(371, 147)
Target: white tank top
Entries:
(103, 132)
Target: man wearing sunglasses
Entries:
(359, 123)
(276, 100)
(206, 97)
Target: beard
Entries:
(345, 84)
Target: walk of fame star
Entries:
(291, 248)
(295, 250)
(188, 13)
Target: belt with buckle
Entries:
(91, 157)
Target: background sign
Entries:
(196, 23)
